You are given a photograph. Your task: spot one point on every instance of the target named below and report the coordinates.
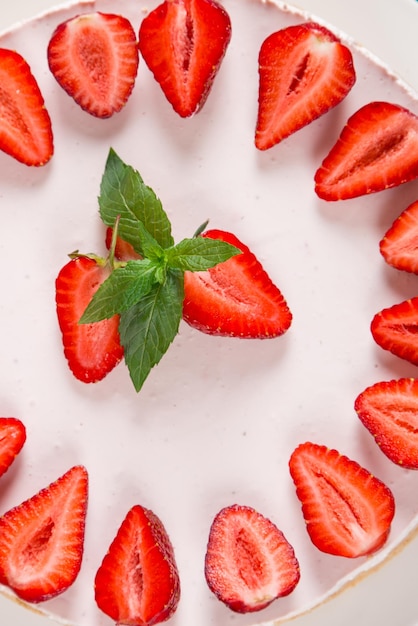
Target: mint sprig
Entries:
(147, 293)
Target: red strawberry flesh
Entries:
(304, 72)
(138, 582)
(25, 125)
(236, 298)
(377, 149)
(94, 57)
(12, 439)
(389, 410)
(183, 42)
(399, 246)
(396, 329)
(348, 511)
(249, 563)
(42, 539)
(92, 350)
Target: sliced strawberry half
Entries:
(138, 581)
(25, 125)
(399, 246)
(183, 42)
(396, 329)
(389, 410)
(377, 149)
(92, 350)
(249, 563)
(304, 71)
(12, 439)
(42, 539)
(94, 57)
(348, 511)
(236, 298)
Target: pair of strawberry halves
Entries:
(395, 327)
(41, 539)
(237, 298)
(347, 511)
(42, 545)
(304, 72)
(94, 56)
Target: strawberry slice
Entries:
(304, 71)
(235, 298)
(92, 350)
(25, 125)
(377, 149)
(396, 329)
(42, 539)
(249, 563)
(12, 439)
(138, 581)
(348, 511)
(399, 246)
(183, 43)
(94, 57)
(389, 410)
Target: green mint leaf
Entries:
(161, 273)
(124, 194)
(148, 328)
(151, 249)
(124, 288)
(199, 254)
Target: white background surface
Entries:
(389, 29)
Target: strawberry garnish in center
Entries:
(236, 298)
(249, 563)
(304, 72)
(183, 42)
(92, 350)
(348, 511)
(41, 540)
(94, 57)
